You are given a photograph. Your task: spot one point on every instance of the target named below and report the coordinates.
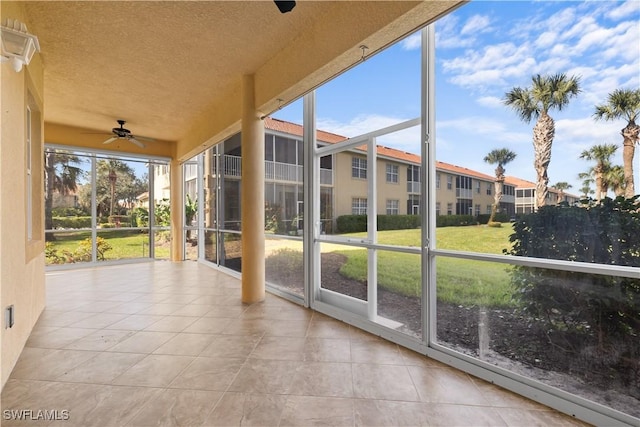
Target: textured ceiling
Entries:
(162, 65)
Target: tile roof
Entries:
(295, 129)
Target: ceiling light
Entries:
(18, 46)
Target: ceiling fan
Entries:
(123, 133)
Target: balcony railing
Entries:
(275, 171)
(464, 193)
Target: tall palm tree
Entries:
(602, 156)
(561, 186)
(501, 157)
(546, 93)
(587, 180)
(624, 104)
(62, 171)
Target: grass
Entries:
(125, 244)
(462, 282)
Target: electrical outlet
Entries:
(9, 317)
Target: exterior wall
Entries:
(391, 190)
(346, 187)
(21, 259)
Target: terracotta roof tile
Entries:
(295, 129)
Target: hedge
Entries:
(358, 223)
(71, 222)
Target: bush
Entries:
(603, 306)
(120, 220)
(351, 223)
(454, 220)
(71, 222)
(68, 212)
(398, 222)
(81, 254)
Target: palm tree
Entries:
(602, 156)
(615, 178)
(501, 157)
(62, 172)
(587, 180)
(546, 93)
(561, 186)
(624, 104)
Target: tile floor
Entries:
(171, 344)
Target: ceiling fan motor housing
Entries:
(122, 132)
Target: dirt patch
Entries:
(506, 338)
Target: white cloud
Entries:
(476, 24)
(490, 101)
(448, 34)
(546, 39)
(624, 10)
(414, 41)
(485, 126)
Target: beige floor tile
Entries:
(129, 307)
(446, 385)
(536, 418)
(155, 370)
(99, 321)
(499, 397)
(136, 322)
(106, 405)
(265, 376)
(49, 364)
(388, 413)
(247, 327)
(179, 408)
(244, 409)
(184, 344)
(208, 325)
(376, 351)
(206, 373)
(193, 310)
(416, 359)
(317, 411)
(164, 308)
(446, 415)
(326, 350)
(61, 318)
(387, 382)
(102, 369)
(57, 338)
(328, 329)
(172, 324)
(323, 379)
(232, 346)
(287, 328)
(224, 311)
(100, 340)
(142, 342)
(279, 348)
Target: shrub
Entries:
(398, 222)
(351, 223)
(454, 220)
(120, 220)
(581, 303)
(71, 222)
(81, 254)
(68, 212)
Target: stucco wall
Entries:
(21, 260)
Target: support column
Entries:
(252, 199)
(177, 211)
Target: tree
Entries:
(624, 104)
(561, 186)
(587, 180)
(62, 172)
(546, 93)
(615, 178)
(501, 157)
(602, 156)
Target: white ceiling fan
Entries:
(123, 133)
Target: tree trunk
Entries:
(630, 135)
(543, 133)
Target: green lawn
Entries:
(462, 282)
(125, 244)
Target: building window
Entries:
(359, 206)
(449, 208)
(449, 182)
(437, 180)
(437, 208)
(478, 187)
(413, 204)
(393, 207)
(477, 210)
(359, 167)
(489, 209)
(489, 189)
(28, 149)
(392, 173)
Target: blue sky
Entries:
(483, 50)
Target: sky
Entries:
(483, 50)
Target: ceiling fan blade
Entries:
(135, 141)
(110, 140)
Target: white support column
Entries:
(372, 229)
(252, 197)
